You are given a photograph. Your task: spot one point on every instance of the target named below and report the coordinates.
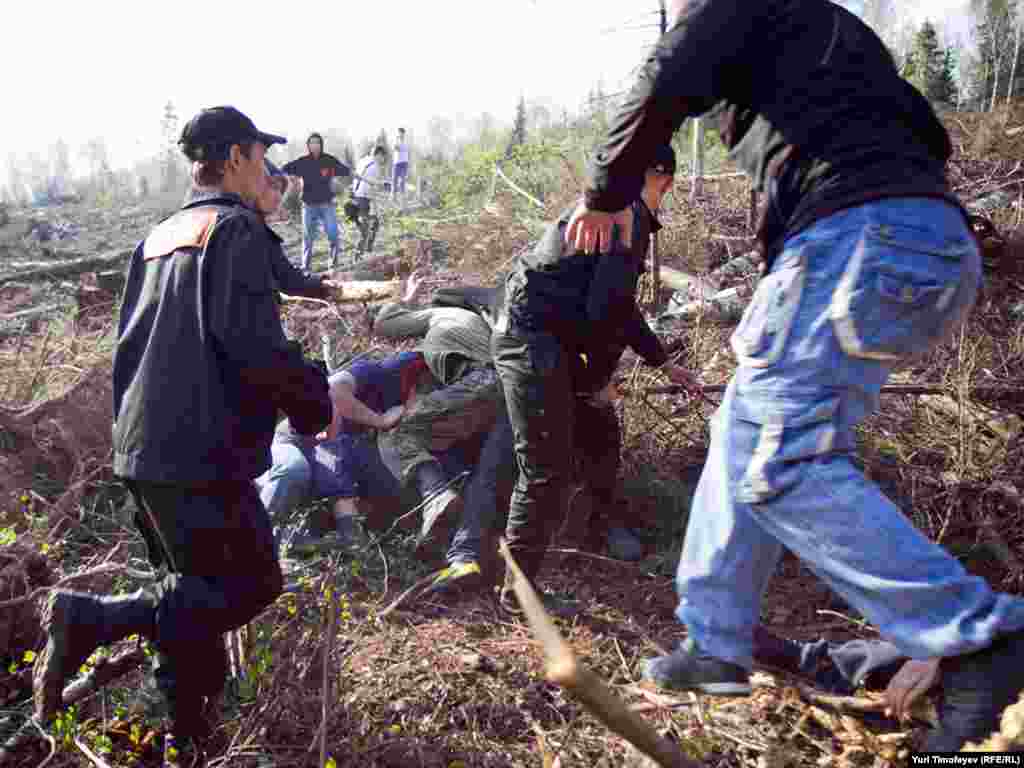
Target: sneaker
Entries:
(977, 687)
(623, 544)
(457, 579)
(687, 669)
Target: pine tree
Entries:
(519, 128)
(946, 89)
(928, 63)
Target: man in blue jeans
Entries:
(317, 170)
(869, 261)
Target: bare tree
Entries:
(1017, 22)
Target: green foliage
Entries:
(926, 63)
(470, 178)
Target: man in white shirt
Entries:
(369, 173)
(401, 169)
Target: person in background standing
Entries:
(401, 169)
(317, 169)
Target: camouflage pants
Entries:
(441, 418)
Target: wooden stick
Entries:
(565, 670)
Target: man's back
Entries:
(202, 362)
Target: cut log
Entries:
(359, 290)
(59, 270)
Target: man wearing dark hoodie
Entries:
(317, 170)
(201, 368)
(870, 262)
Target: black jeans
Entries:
(597, 438)
(534, 372)
(218, 546)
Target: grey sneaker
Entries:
(688, 669)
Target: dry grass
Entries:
(448, 686)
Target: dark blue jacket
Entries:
(202, 364)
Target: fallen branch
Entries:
(93, 757)
(564, 669)
(27, 314)
(104, 672)
(62, 269)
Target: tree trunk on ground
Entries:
(63, 269)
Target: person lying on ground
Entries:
(871, 262)
(200, 368)
(342, 464)
(456, 404)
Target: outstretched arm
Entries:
(348, 406)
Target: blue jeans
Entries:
(847, 299)
(312, 216)
(287, 483)
(398, 177)
(481, 493)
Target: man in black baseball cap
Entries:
(561, 304)
(201, 368)
(220, 126)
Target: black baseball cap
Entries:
(664, 160)
(224, 125)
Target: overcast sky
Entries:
(106, 68)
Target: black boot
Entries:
(76, 624)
